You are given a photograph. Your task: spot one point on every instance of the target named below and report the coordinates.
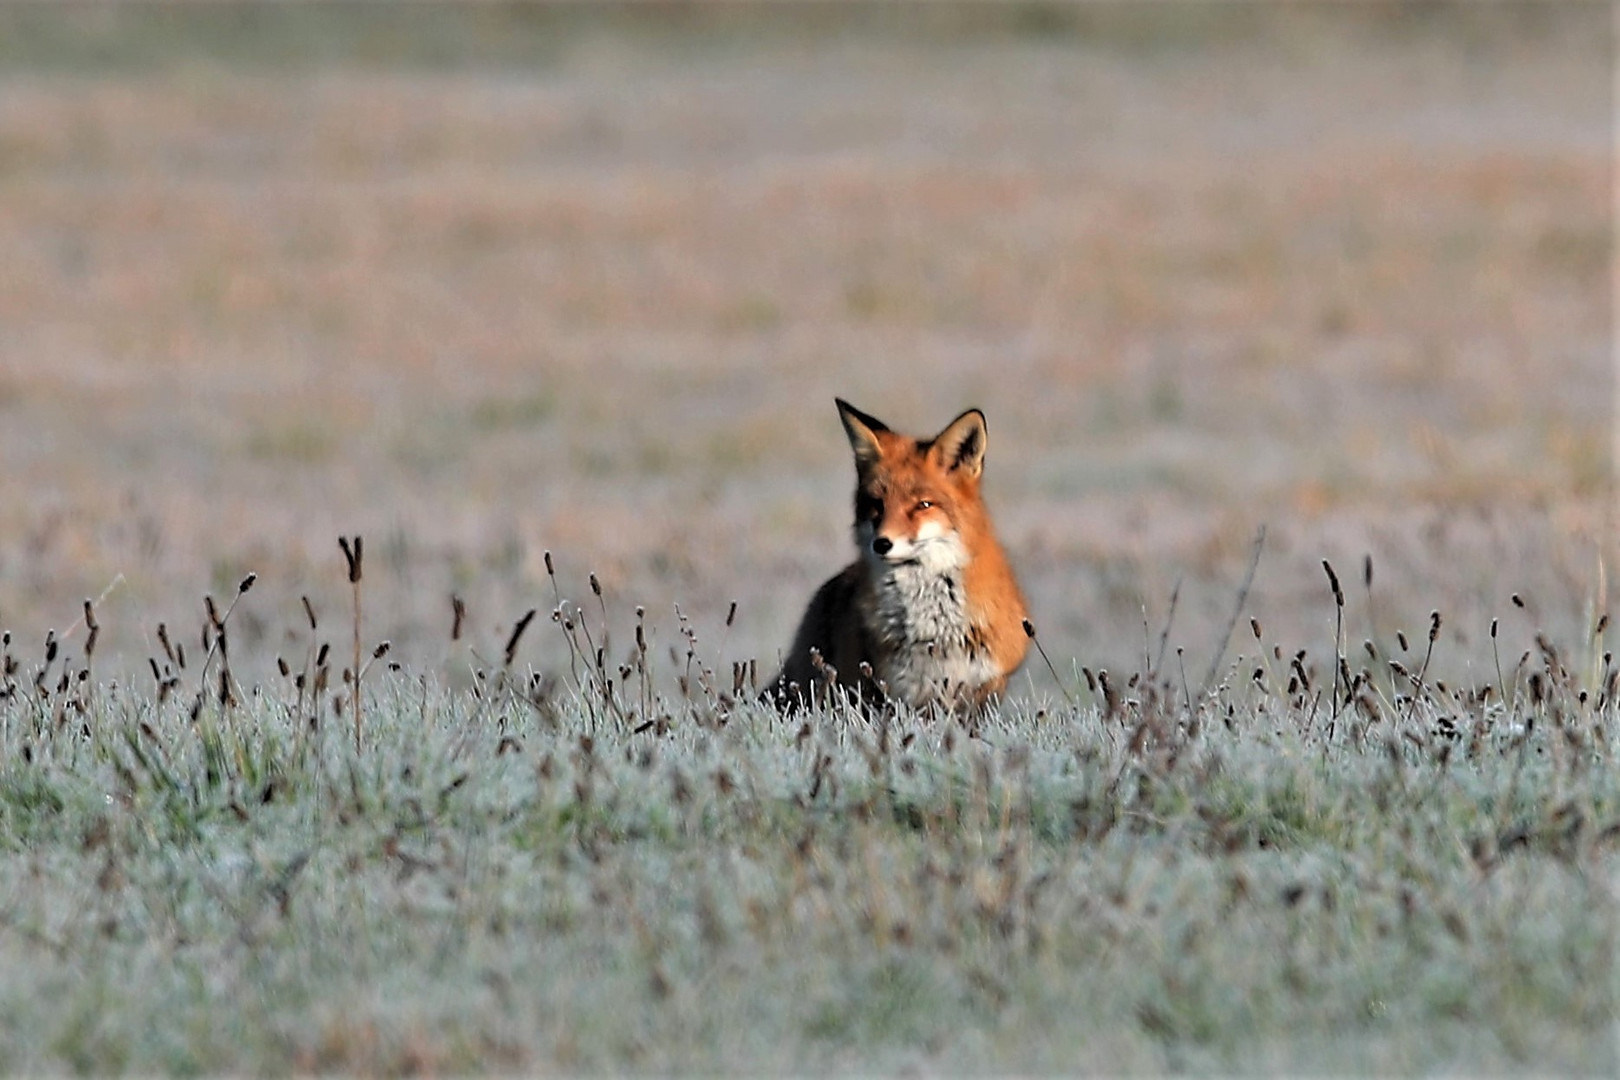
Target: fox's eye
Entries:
(924, 504)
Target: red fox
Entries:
(930, 613)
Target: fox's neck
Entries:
(930, 646)
(919, 603)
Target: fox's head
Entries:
(916, 498)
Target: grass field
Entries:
(497, 287)
(1374, 875)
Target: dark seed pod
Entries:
(1333, 580)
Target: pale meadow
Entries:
(490, 286)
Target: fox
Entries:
(930, 613)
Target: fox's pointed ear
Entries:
(961, 445)
(862, 431)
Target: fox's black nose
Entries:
(882, 544)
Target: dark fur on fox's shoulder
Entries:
(841, 645)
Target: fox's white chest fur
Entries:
(928, 649)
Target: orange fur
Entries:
(930, 613)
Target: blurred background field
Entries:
(483, 281)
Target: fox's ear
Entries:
(961, 445)
(862, 431)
